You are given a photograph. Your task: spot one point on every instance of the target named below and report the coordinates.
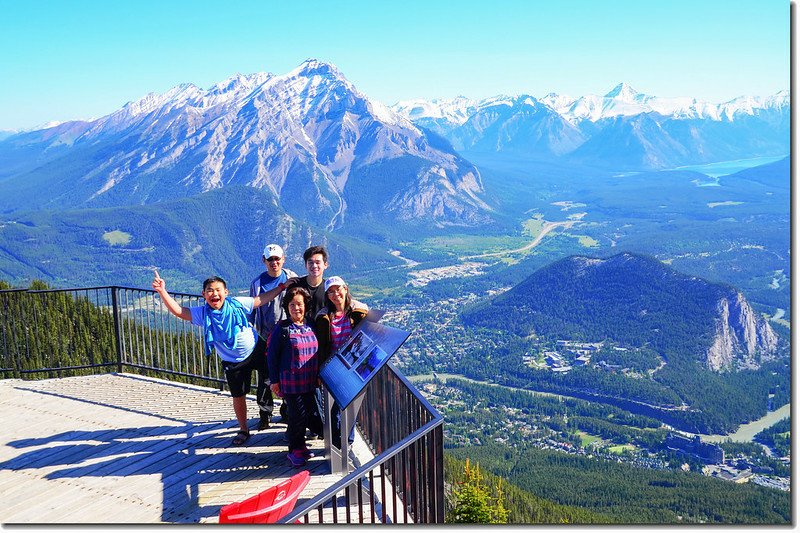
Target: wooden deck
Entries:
(125, 449)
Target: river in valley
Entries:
(744, 433)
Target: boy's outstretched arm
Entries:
(160, 286)
(267, 297)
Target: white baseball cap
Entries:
(272, 250)
(333, 281)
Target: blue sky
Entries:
(63, 60)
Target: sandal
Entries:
(240, 438)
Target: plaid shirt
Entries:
(294, 362)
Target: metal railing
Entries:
(80, 331)
(57, 332)
(407, 473)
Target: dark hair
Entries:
(214, 279)
(291, 292)
(313, 251)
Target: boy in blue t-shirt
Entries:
(226, 329)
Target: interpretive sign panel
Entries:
(347, 372)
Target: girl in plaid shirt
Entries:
(294, 372)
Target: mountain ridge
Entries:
(637, 300)
(623, 129)
(298, 135)
(622, 100)
(166, 236)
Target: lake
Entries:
(722, 168)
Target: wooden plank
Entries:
(128, 449)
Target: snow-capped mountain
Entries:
(623, 128)
(622, 100)
(517, 125)
(454, 111)
(309, 136)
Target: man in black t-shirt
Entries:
(316, 260)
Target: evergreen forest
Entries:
(622, 494)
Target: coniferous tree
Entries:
(473, 504)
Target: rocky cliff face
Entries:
(742, 339)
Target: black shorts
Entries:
(239, 375)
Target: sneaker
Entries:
(310, 435)
(308, 454)
(263, 422)
(297, 458)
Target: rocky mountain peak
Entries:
(239, 82)
(302, 136)
(623, 91)
(314, 67)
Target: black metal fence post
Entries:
(117, 337)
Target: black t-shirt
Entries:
(317, 296)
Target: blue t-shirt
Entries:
(245, 338)
(266, 316)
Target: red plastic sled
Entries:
(267, 507)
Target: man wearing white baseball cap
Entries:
(266, 316)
